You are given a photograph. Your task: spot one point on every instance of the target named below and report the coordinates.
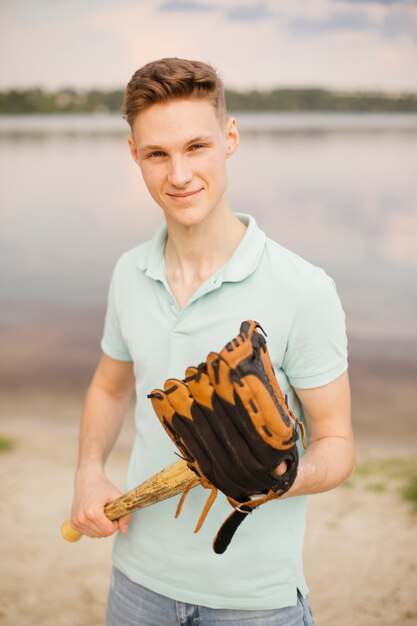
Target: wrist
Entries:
(90, 468)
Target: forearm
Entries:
(101, 422)
(326, 464)
(105, 406)
(330, 456)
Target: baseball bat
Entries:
(169, 482)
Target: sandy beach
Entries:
(361, 549)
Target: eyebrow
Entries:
(199, 139)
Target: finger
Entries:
(95, 532)
(123, 523)
(94, 525)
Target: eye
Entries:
(157, 154)
(197, 146)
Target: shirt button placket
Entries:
(175, 312)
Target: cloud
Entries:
(248, 13)
(337, 21)
(189, 6)
(394, 22)
(399, 23)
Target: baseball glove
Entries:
(231, 424)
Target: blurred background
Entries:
(325, 95)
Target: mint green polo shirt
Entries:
(297, 305)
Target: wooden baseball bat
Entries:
(170, 481)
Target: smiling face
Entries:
(181, 148)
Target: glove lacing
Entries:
(209, 503)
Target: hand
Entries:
(92, 491)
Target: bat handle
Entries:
(69, 533)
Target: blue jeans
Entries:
(131, 604)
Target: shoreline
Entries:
(55, 370)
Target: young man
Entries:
(171, 301)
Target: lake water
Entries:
(340, 190)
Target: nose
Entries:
(179, 172)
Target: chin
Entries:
(187, 217)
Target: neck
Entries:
(193, 253)
(204, 247)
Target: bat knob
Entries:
(69, 533)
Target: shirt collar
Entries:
(241, 264)
(151, 256)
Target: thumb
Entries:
(124, 523)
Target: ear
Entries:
(133, 149)
(232, 136)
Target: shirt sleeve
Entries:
(316, 351)
(113, 343)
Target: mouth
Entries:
(184, 196)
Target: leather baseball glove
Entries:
(231, 424)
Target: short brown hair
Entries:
(171, 78)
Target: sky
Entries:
(338, 44)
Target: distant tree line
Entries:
(62, 101)
(73, 101)
(320, 100)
